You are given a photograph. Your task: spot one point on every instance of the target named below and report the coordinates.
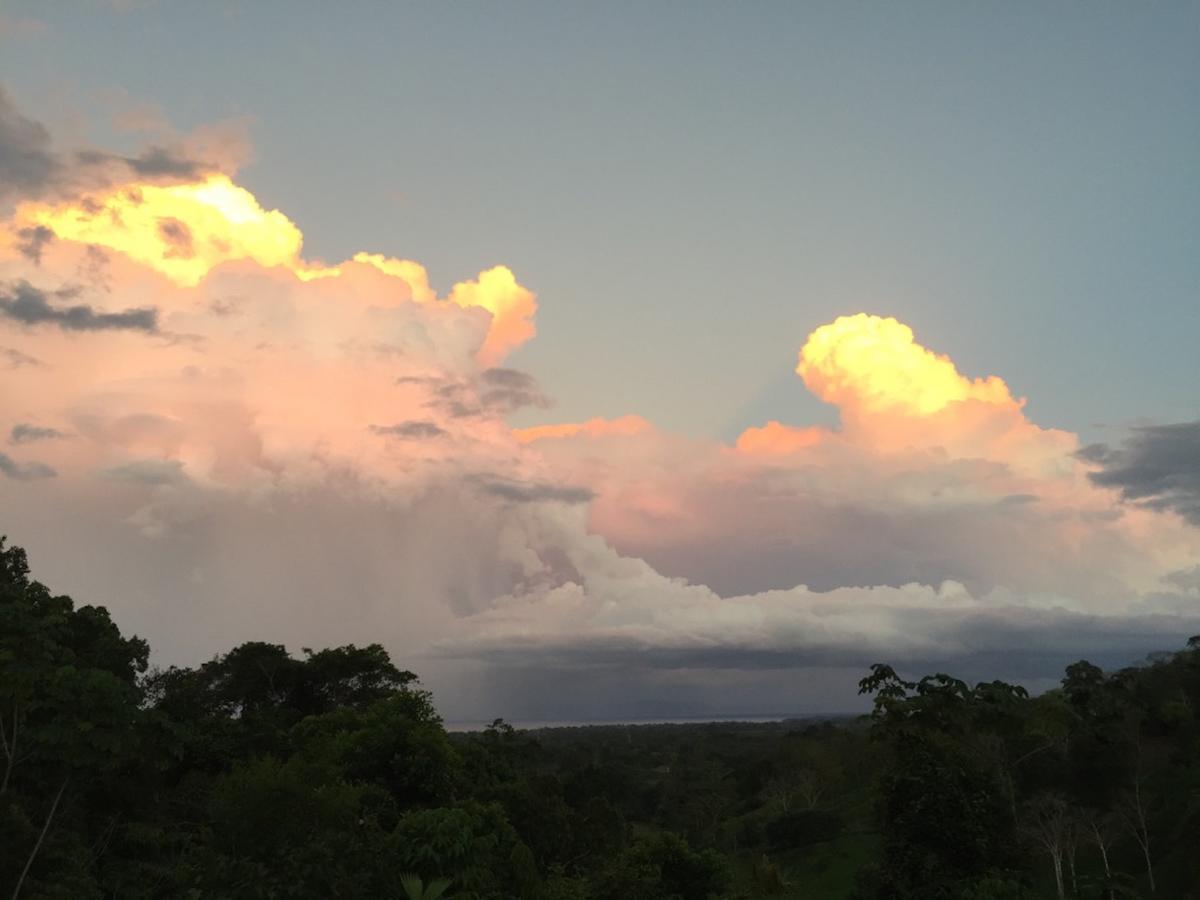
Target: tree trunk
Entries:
(1058, 874)
(1149, 866)
(41, 837)
(10, 750)
(1011, 791)
(1103, 857)
(1142, 832)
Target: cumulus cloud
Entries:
(917, 626)
(867, 363)
(616, 610)
(936, 525)
(297, 402)
(1158, 467)
(319, 453)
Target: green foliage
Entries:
(396, 742)
(70, 726)
(260, 774)
(996, 887)
(801, 827)
(664, 865)
(290, 831)
(415, 889)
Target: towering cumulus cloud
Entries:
(867, 364)
(223, 439)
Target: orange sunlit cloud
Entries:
(928, 469)
(895, 395)
(624, 425)
(181, 230)
(184, 231)
(777, 438)
(512, 307)
(874, 364)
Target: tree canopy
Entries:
(328, 773)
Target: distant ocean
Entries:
(699, 720)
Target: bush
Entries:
(803, 827)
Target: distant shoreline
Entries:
(540, 725)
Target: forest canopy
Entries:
(263, 773)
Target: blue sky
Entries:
(691, 188)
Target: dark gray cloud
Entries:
(1158, 466)
(1013, 642)
(23, 303)
(513, 379)
(1095, 453)
(411, 430)
(31, 167)
(225, 306)
(455, 399)
(152, 472)
(507, 390)
(534, 491)
(31, 241)
(28, 165)
(495, 391)
(177, 236)
(161, 162)
(93, 268)
(1186, 579)
(14, 359)
(30, 471)
(154, 163)
(24, 433)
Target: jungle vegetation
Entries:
(329, 774)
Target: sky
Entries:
(609, 360)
